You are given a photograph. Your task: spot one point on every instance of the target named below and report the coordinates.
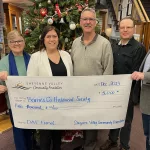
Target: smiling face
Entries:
(88, 21)
(51, 40)
(126, 29)
(16, 44)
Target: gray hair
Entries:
(90, 10)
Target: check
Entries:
(77, 102)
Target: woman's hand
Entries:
(137, 76)
(3, 89)
(3, 75)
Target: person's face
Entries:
(126, 29)
(17, 45)
(88, 22)
(51, 40)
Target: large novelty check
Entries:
(84, 102)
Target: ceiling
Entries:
(20, 3)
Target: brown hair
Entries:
(45, 31)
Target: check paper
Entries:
(76, 102)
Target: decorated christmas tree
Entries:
(63, 14)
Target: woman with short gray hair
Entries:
(15, 64)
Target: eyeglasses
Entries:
(127, 28)
(18, 42)
(86, 19)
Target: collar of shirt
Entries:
(94, 39)
(128, 42)
(120, 43)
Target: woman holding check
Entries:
(15, 64)
(50, 61)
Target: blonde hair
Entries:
(12, 34)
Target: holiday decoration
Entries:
(63, 14)
(86, 3)
(50, 21)
(27, 31)
(49, 1)
(62, 20)
(72, 25)
(57, 9)
(43, 12)
(79, 7)
(66, 40)
(40, 5)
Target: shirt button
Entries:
(118, 54)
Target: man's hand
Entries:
(137, 76)
(3, 89)
(3, 75)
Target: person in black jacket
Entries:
(128, 55)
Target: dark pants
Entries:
(146, 127)
(125, 131)
(22, 137)
(90, 138)
(46, 136)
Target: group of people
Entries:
(91, 54)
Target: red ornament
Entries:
(79, 7)
(57, 10)
(27, 31)
(43, 12)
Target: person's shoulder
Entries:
(38, 53)
(64, 53)
(138, 44)
(102, 39)
(4, 59)
(78, 39)
(4, 63)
